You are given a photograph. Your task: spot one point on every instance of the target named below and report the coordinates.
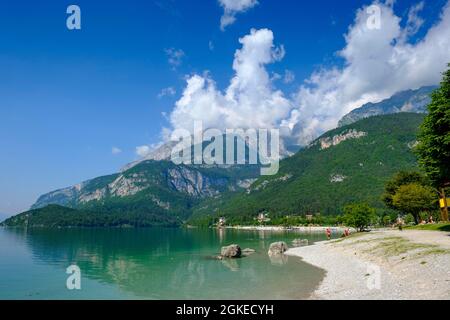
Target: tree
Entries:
(386, 220)
(398, 180)
(414, 198)
(433, 149)
(358, 215)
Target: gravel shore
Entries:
(382, 265)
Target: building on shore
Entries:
(222, 222)
(263, 217)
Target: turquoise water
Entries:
(150, 263)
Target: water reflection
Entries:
(231, 264)
(170, 263)
(279, 259)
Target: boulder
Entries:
(300, 242)
(278, 248)
(231, 251)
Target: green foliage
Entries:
(434, 137)
(303, 185)
(386, 220)
(414, 198)
(291, 221)
(409, 219)
(433, 227)
(399, 179)
(359, 215)
(388, 217)
(55, 216)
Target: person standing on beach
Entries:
(347, 232)
(328, 232)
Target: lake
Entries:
(152, 263)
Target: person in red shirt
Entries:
(328, 232)
(347, 232)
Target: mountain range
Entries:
(350, 163)
(345, 165)
(406, 101)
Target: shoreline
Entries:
(312, 229)
(382, 265)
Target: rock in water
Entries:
(278, 248)
(300, 243)
(232, 251)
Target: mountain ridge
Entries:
(154, 183)
(347, 164)
(404, 101)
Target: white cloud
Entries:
(289, 77)
(115, 150)
(169, 91)
(175, 57)
(231, 8)
(414, 22)
(249, 101)
(276, 76)
(376, 64)
(155, 151)
(143, 151)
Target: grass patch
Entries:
(432, 227)
(386, 239)
(396, 246)
(400, 246)
(432, 252)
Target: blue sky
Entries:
(67, 98)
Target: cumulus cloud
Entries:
(169, 91)
(377, 63)
(249, 101)
(174, 57)
(231, 8)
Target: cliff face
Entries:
(329, 142)
(152, 181)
